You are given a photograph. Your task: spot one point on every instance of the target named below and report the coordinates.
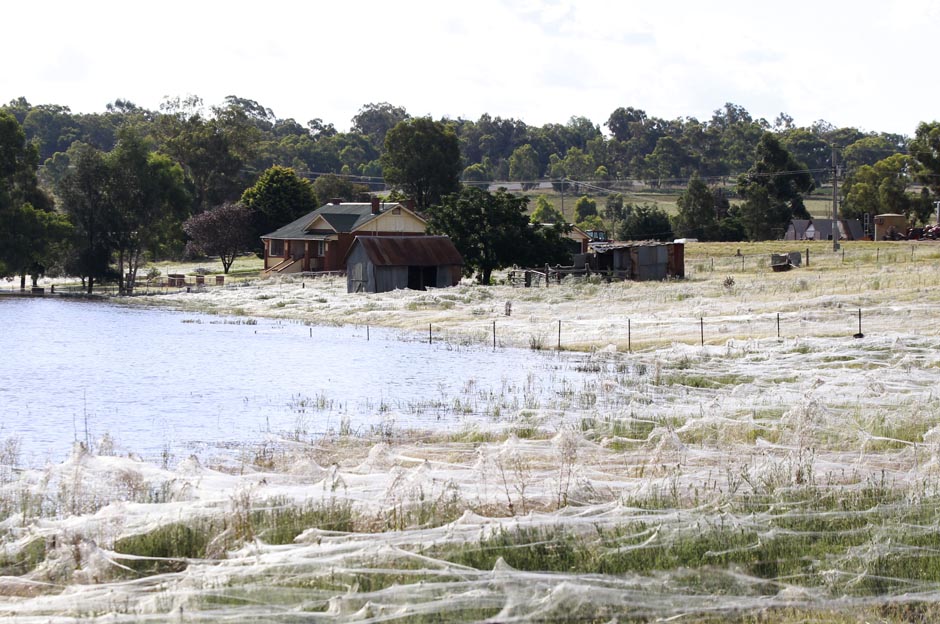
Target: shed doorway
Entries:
(419, 278)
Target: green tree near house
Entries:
(277, 198)
(224, 231)
(422, 160)
(492, 231)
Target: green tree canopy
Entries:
(422, 159)
(277, 198)
(83, 191)
(697, 217)
(28, 226)
(331, 186)
(646, 222)
(583, 208)
(375, 120)
(545, 212)
(146, 194)
(492, 231)
(524, 164)
(773, 189)
(881, 188)
(925, 150)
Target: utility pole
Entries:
(835, 202)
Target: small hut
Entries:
(382, 263)
(890, 226)
(646, 260)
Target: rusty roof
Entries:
(409, 250)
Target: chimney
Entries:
(375, 206)
(410, 204)
(336, 200)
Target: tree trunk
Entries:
(23, 280)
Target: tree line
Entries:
(91, 195)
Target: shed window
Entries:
(277, 248)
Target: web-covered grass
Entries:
(750, 479)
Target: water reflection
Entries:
(161, 381)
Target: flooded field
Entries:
(157, 382)
(749, 479)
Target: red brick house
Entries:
(320, 240)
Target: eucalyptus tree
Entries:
(422, 160)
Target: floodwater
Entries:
(160, 382)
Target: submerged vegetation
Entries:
(749, 479)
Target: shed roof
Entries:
(606, 246)
(409, 250)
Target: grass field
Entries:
(819, 205)
(719, 475)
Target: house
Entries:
(822, 229)
(638, 260)
(382, 263)
(576, 239)
(320, 240)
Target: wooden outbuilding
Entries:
(638, 260)
(377, 264)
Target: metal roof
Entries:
(409, 250)
(343, 218)
(605, 246)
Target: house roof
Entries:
(799, 227)
(341, 218)
(409, 250)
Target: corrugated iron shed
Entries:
(410, 250)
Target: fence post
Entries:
(430, 338)
(494, 335)
(778, 324)
(367, 333)
(859, 334)
(559, 334)
(807, 256)
(701, 322)
(630, 338)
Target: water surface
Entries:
(159, 381)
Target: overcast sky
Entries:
(862, 63)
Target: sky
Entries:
(862, 63)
